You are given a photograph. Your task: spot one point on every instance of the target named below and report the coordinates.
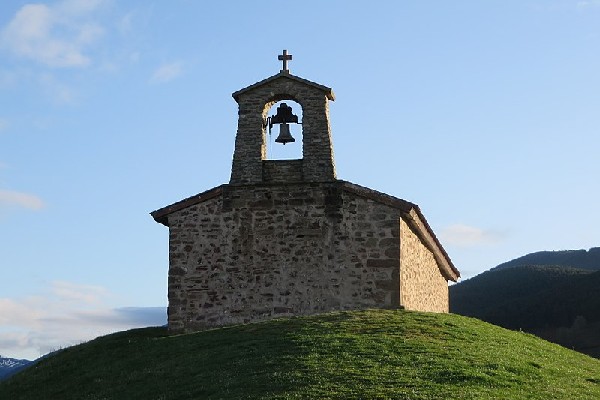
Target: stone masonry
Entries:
(285, 237)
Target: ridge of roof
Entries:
(285, 74)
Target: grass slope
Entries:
(345, 355)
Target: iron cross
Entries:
(285, 57)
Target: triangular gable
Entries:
(286, 75)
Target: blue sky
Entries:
(486, 114)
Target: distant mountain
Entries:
(529, 297)
(10, 366)
(557, 303)
(584, 259)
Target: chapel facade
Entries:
(286, 237)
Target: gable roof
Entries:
(284, 74)
(410, 211)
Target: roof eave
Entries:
(418, 221)
(162, 214)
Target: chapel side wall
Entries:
(263, 252)
(372, 247)
(422, 286)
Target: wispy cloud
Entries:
(66, 314)
(55, 35)
(167, 72)
(86, 294)
(467, 236)
(19, 199)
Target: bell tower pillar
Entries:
(249, 158)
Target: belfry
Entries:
(249, 158)
(286, 237)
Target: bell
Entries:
(284, 114)
(284, 135)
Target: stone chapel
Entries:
(286, 237)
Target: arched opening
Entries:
(276, 150)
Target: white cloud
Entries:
(467, 236)
(67, 314)
(166, 72)
(19, 313)
(54, 35)
(19, 199)
(86, 294)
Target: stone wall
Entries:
(422, 287)
(260, 252)
(264, 251)
(282, 171)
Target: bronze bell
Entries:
(284, 114)
(284, 134)
(282, 118)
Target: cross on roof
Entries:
(285, 57)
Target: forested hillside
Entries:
(584, 259)
(557, 302)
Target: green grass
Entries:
(345, 355)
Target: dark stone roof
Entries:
(328, 91)
(410, 211)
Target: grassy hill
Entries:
(345, 355)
